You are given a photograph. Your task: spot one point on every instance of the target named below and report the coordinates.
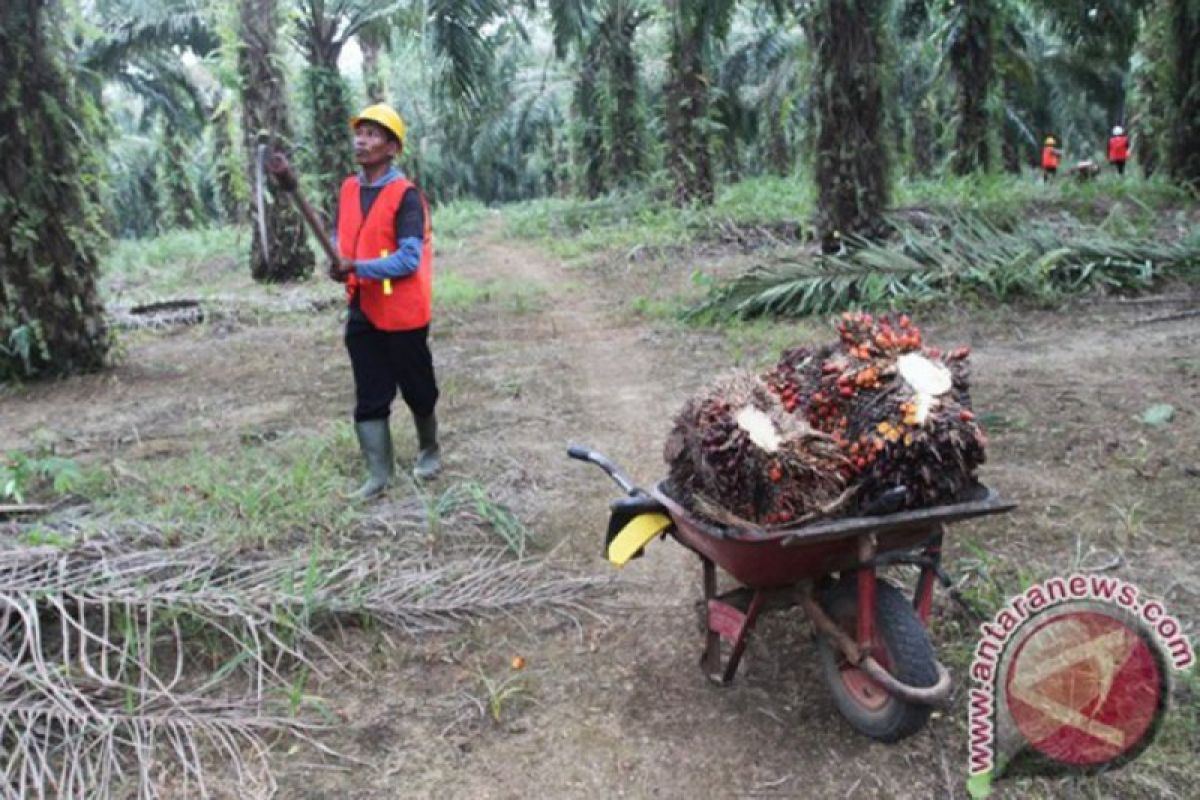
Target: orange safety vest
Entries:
(1118, 148)
(395, 304)
(1049, 157)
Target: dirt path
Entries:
(614, 707)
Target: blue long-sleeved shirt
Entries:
(410, 231)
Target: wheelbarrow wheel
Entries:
(901, 646)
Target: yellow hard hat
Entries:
(384, 115)
(1050, 140)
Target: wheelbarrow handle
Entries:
(602, 461)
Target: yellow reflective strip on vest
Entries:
(387, 282)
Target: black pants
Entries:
(1120, 165)
(385, 360)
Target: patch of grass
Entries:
(1178, 739)
(1007, 198)
(573, 229)
(254, 495)
(1187, 366)
(196, 263)
(759, 342)
(452, 291)
(454, 222)
(497, 694)
(652, 308)
(766, 200)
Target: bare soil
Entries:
(613, 705)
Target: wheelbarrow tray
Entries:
(781, 557)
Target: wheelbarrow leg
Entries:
(740, 637)
(923, 598)
(724, 621)
(866, 592)
(711, 660)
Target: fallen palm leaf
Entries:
(965, 255)
(121, 666)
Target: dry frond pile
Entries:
(122, 669)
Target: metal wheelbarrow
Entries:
(875, 653)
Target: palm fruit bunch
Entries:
(899, 411)
(737, 456)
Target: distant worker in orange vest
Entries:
(1050, 156)
(1118, 149)
(385, 241)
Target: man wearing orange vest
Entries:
(1050, 157)
(1118, 149)
(385, 242)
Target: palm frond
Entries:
(456, 27)
(139, 36)
(960, 256)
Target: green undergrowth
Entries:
(278, 491)
(212, 261)
(1013, 199)
(454, 223)
(192, 263)
(454, 292)
(576, 229)
(259, 492)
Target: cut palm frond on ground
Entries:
(965, 256)
(127, 670)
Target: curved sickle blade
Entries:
(259, 178)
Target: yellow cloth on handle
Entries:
(634, 536)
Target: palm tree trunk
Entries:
(179, 203)
(922, 139)
(627, 149)
(265, 115)
(780, 157)
(372, 75)
(688, 158)
(589, 155)
(227, 167)
(51, 317)
(328, 100)
(971, 61)
(851, 159)
(1150, 98)
(1184, 135)
(329, 112)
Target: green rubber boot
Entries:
(429, 457)
(375, 441)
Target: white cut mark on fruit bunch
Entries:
(761, 429)
(927, 379)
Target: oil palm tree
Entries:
(696, 28)
(51, 317)
(851, 161)
(278, 249)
